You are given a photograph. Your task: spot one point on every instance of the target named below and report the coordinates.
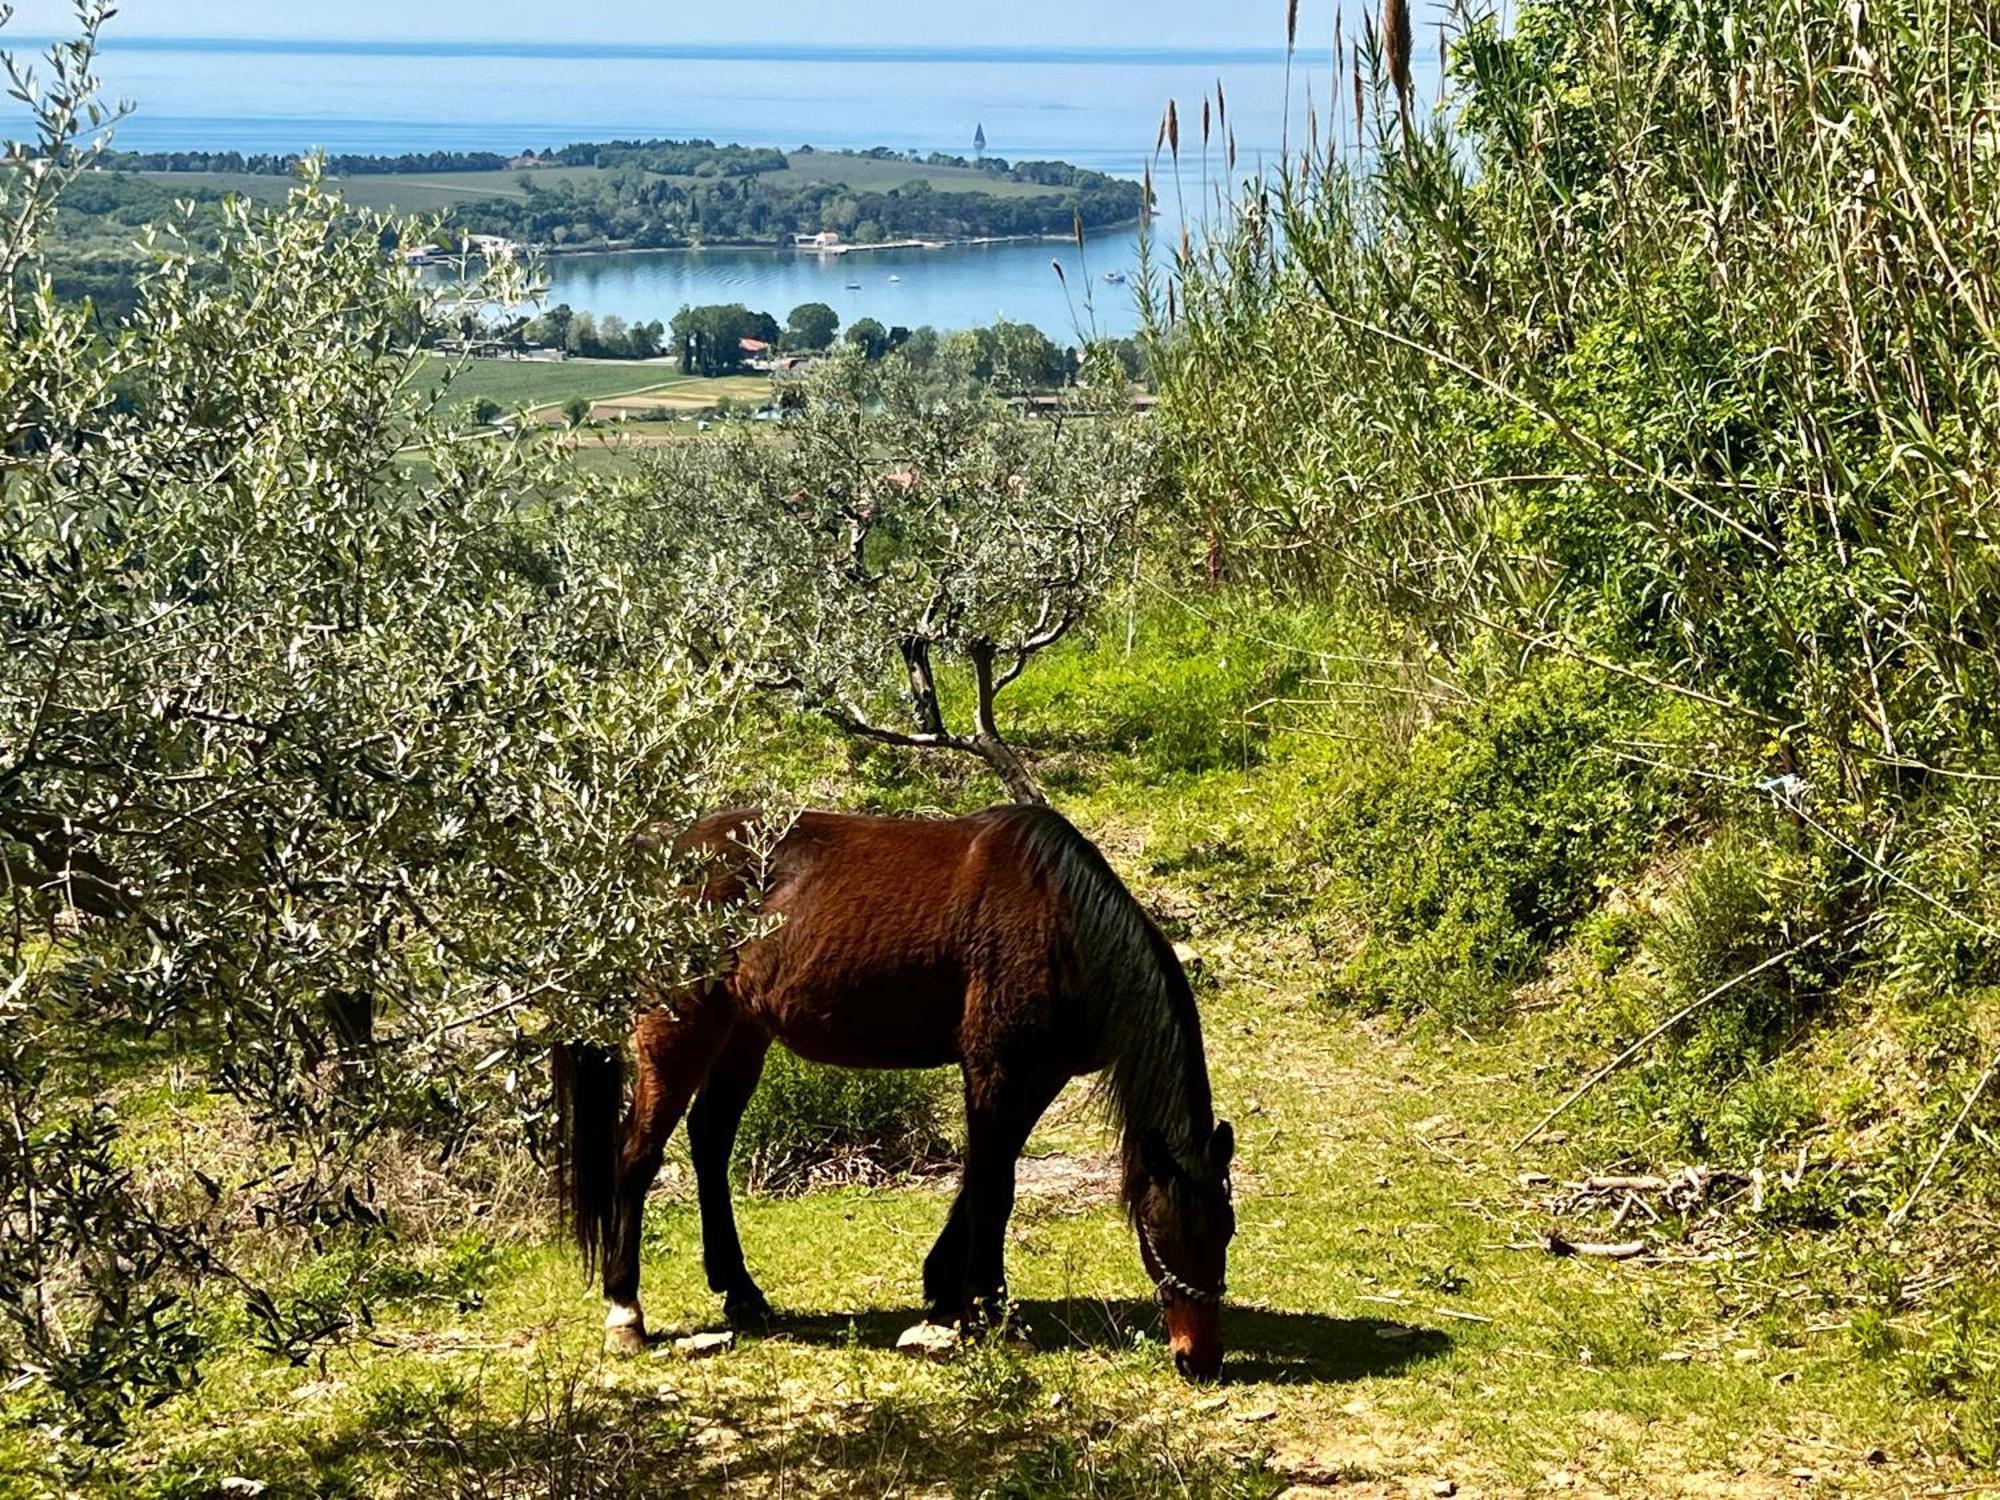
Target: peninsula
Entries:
(661, 194)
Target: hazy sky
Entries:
(1125, 23)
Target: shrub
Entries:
(1192, 695)
(1475, 853)
(1941, 922)
(1718, 1085)
(808, 1123)
(1959, 1362)
(892, 540)
(327, 734)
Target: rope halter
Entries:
(1167, 1283)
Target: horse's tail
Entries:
(590, 1100)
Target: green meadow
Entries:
(1397, 1324)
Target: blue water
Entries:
(1097, 108)
(956, 287)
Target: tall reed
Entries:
(1667, 341)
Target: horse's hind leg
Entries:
(712, 1123)
(675, 1045)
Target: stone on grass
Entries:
(702, 1345)
(928, 1341)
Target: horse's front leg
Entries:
(1001, 1112)
(944, 1267)
(674, 1049)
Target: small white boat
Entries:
(895, 278)
(854, 286)
(1116, 278)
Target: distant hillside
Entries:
(659, 193)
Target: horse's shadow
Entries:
(1264, 1345)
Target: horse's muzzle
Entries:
(1194, 1337)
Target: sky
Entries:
(1190, 24)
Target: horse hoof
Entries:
(747, 1310)
(984, 1312)
(628, 1338)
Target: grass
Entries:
(537, 384)
(1396, 1324)
(1383, 1331)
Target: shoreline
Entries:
(826, 252)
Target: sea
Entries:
(1100, 108)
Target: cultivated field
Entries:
(866, 174)
(544, 384)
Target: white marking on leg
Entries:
(624, 1315)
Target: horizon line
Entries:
(672, 51)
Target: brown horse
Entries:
(1001, 942)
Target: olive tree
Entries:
(325, 734)
(890, 530)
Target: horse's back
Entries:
(888, 927)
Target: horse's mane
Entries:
(1146, 1029)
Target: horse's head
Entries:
(1185, 1219)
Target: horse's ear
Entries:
(1222, 1147)
(1157, 1157)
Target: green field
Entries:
(388, 192)
(868, 175)
(433, 192)
(536, 383)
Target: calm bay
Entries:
(1098, 108)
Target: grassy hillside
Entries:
(1398, 1323)
(1541, 674)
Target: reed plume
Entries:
(1333, 96)
(1396, 46)
(1291, 42)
